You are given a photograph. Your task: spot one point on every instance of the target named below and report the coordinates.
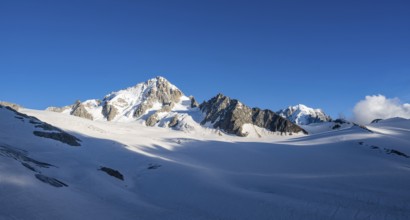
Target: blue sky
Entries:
(270, 54)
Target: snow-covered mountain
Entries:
(57, 166)
(303, 115)
(157, 102)
(154, 102)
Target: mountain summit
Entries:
(303, 115)
(147, 98)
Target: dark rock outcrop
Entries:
(31, 164)
(112, 172)
(153, 166)
(363, 127)
(58, 136)
(336, 126)
(51, 181)
(21, 156)
(376, 121)
(48, 131)
(230, 115)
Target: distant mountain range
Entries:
(157, 102)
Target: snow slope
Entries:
(344, 174)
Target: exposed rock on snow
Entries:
(49, 180)
(153, 166)
(79, 110)
(59, 136)
(152, 120)
(11, 105)
(109, 111)
(385, 150)
(59, 109)
(112, 172)
(194, 103)
(31, 164)
(174, 122)
(21, 156)
(159, 91)
(47, 130)
(376, 121)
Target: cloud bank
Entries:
(378, 106)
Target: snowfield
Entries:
(347, 173)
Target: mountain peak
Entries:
(153, 83)
(303, 115)
(156, 94)
(158, 79)
(220, 96)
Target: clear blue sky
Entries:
(270, 54)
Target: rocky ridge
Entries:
(230, 115)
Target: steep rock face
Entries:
(79, 110)
(152, 120)
(231, 115)
(109, 111)
(273, 122)
(303, 115)
(194, 103)
(174, 121)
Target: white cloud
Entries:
(378, 106)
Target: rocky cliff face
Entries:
(109, 111)
(303, 115)
(231, 115)
(161, 92)
(79, 110)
